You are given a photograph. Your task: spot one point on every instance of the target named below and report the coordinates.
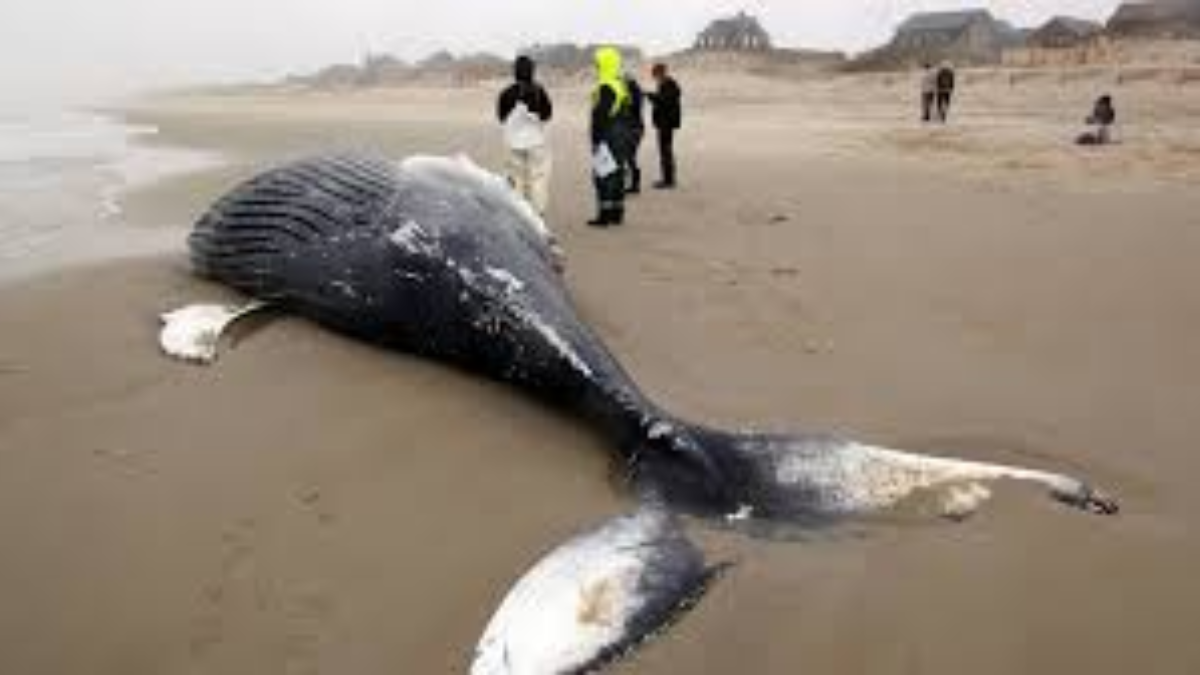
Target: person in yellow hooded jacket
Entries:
(610, 137)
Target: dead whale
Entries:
(437, 257)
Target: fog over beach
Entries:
(55, 49)
(984, 289)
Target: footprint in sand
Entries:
(314, 501)
(307, 616)
(236, 567)
(129, 462)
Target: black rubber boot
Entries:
(635, 183)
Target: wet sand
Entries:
(315, 505)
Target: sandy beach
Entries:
(314, 505)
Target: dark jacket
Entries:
(524, 90)
(945, 79)
(1103, 113)
(668, 105)
(608, 126)
(637, 98)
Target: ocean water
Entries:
(62, 173)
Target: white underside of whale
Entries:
(572, 605)
(860, 478)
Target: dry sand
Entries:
(315, 505)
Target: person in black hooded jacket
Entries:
(526, 90)
(668, 117)
(523, 109)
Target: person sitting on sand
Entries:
(1100, 122)
(928, 91)
(524, 108)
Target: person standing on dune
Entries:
(668, 118)
(609, 136)
(524, 108)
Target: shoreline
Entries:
(68, 184)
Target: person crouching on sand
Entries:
(1100, 122)
(609, 136)
(523, 109)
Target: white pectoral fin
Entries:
(962, 483)
(193, 333)
(596, 598)
(840, 476)
(808, 479)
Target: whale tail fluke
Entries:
(812, 480)
(597, 598)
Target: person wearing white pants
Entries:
(528, 171)
(524, 109)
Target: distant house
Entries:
(967, 32)
(560, 60)
(1063, 32)
(1157, 19)
(737, 33)
(337, 76)
(965, 37)
(1061, 42)
(381, 70)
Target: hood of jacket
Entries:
(524, 69)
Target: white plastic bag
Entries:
(603, 162)
(523, 130)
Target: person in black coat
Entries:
(526, 90)
(668, 118)
(945, 91)
(637, 130)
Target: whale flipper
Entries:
(808, 479)
(597, 598)
(193, 333)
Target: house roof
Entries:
(943, 21)
(1077, 25)
(1071, 24)
(1156, 11)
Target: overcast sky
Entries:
(84, 47)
